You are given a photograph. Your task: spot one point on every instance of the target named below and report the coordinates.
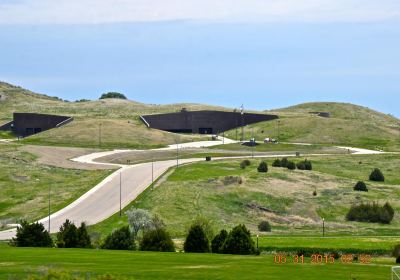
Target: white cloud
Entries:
(108, 11)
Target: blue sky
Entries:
(265, 54)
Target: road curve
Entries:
(103, 200)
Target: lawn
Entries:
(16, 263)
(24, 185)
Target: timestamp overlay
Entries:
(320, 259)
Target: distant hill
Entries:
(118, 118)
(121, 127)
(348, 125)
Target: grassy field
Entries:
(24, 185)
(19, 262)
(281, 196)
(349, 125)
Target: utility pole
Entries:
(49, 207)
(279, 130)
(152, 173)
(254, 142)
(242, 114)
(177, 152)
(120, 193)
(323, 227)
(100, 135)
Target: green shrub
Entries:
(264, 226)
(291, 165)
(371, 213)
(69, 236)
(304, 165)
(31, 235)
(277, 163)
(361, 187)
(157, 240)
(239, 242)
(263, 167)
(218, 242)
(396, 251)
(245, 163)
(284, 162)
(398, 260)
(377, 176)
(120, 239)
(196, 241)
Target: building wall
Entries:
(206, 122)
(26, 124)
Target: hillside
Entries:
(119, 120)
(349, 125)
(121, 127)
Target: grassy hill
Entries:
(349, 125)
(122, 128)
(119, 120)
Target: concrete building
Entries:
(203, 122)
(26, 124)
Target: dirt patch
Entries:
(60, 157)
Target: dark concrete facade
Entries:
(203, 122)
(25, 124)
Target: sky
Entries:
(261, 53)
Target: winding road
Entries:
(125, 185)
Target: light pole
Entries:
(120, 193)
(253, 142)
(257, 242)
(99, 136)
(177, 152)
(152, 173)
(323, 227)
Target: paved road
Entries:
(103, 200)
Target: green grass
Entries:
(281, 196)
(19, 262)
(328, 242)
(7, 135)
(24, 185)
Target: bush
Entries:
(138, 219)
(277, 163)
(264, 226)
(304, 165)
(196, 241)
(245, 163)
(396, 251)
(371, 213)
(218, 242)
(239, 242)
(284, 162)
(291, 165)
(112, 95)
(263, 167)
(120, 239)
(206, 225)
(69, 236)
(31, 235)
(398, 260)
(377, 176)
(361, 187)
(157, 240)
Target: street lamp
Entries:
(257, 241)
(120, 193)
(323, 227)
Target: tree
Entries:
(239, 242)
(218, 242)
(291, 165)
(196, 241)
(84, 240)
(206, 225)
(67, 237)
(157, 240)
(304, 165)
(120, 239)
(264, 226)
(361, 187)
(32, 235)
(263, 167)
(245, 163)
(138, 219)
(377, 176)
(277, 163)
(112, 95)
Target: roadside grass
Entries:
(24, 185)
(17, 263)
(283, 197)
(7, 135)
(281, 147)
